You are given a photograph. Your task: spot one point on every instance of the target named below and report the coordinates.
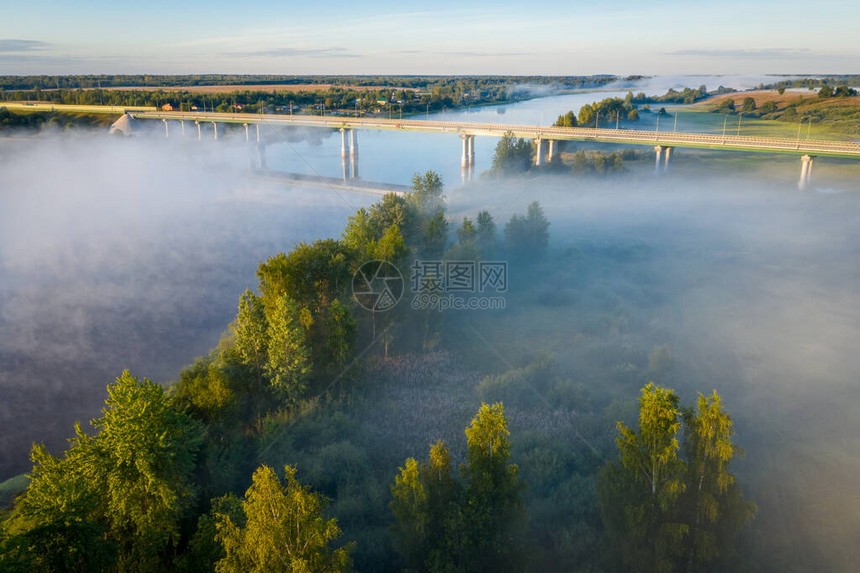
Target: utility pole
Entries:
(740, 117)
(676, 122)
(726, 121)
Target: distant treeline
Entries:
(850, 80)
(421, 82)
(409, 95)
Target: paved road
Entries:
(627, 136)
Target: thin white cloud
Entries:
(764, 53)
(295, 52)
(15, 45)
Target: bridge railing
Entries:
(608, 135)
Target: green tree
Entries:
(714, 508)
(767, 107)
(426, 506)
(726, 106)
(494, 513)
(749, 105)
(486, 231)
(825, 92)
(467, 233)
(428, 187)
(203, 390)
(395, 210)
(566, 120)
(289, 365)
(587, 115)
(134, 477)
(312, 275)
(435, 235)
(512, 156)
(529, 234)
(409, 506)
(147, 454)
(638, 496)
(251, 334)
(283, 529)
(342, 329)
(67, 546)
(391, 247)
(204, 549)
(360, 234)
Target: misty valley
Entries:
(585, 364)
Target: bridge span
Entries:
(545, 137)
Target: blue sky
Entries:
(442, 37)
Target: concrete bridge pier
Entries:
(668, 153)
(215, 128)
(540, 152)
(663, 159)
(464, 159)
(353, 153)
(258, 132)
(805, 171)
(552, 151)
(471, 152)
(247, 139)
(166, 131)
(182, 124)
(199, 132)
(343, 143)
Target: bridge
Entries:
(545, 137)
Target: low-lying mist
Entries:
(755, 287)
(131, 253)
(126, 253)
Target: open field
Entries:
(831, 117)
(760, 97)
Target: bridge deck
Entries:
(623, 136)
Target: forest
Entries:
(320, 435)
